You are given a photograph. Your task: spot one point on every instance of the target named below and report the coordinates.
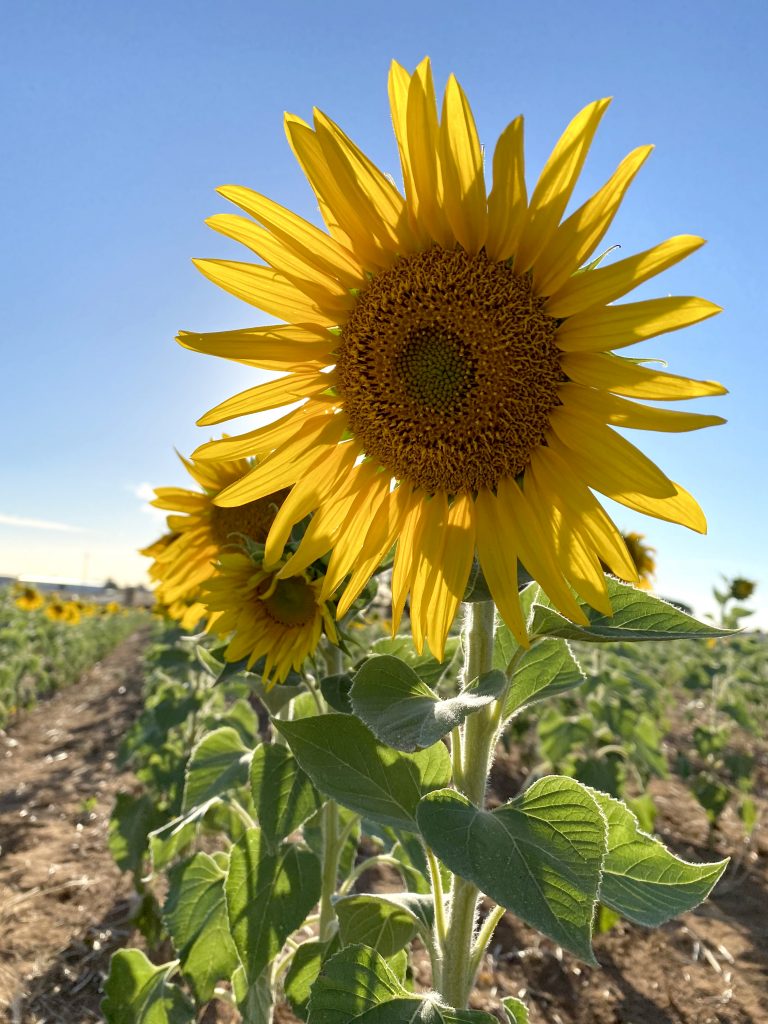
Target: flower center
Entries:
(449, 370)
(291, 602)
(251, 520)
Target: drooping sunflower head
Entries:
(453, 348)
(741, 588)
(29, 598)
(199, 530)
(643, 557)
(280, 619)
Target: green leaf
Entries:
(336, 689)
(167, 842)
(403, 712)
(505, 646)
(195, 914)
(637, 615)
(422, 1010)
(345, 761)
(304, 969)
(130, 823)
(218, 764)
(642, 880)
(350, 983)
(376, 922)
(268, 896)
(516, 1010)
(137, 992)
(427, 668)
(254, 999)
(539, 855)
(547, 669)
(282, 794)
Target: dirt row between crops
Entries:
(64, 906)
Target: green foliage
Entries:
(137, 992)
(348, 764)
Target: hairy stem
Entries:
(479, 733)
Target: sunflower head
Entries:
(643, 557)
(266, 615)
(184, 557)
(452, 347)
(29, 598)
(742, 589)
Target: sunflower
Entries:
(281, 619)
(451, 351)
(63, 611)
(643, 558)
(29, 599)
(184, 557)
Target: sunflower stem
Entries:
(333, 842)
(478, 736)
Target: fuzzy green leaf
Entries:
(637, 615)
(347, 763)
(282, 793)
(403, 712)
(547, 669)
(138, 992)
(539, 856)
(195, 914)
(218, 764)
(642, 879)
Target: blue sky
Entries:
(120, 119)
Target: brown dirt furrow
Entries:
(64, 905)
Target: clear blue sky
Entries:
(118, 120)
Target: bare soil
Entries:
(64, 906)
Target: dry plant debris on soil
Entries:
(64, 906)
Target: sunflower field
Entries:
(46, 643)
(414, 682)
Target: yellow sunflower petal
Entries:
(556, 184)
(577, 237)
(448, 579)
(626, 377)
(462, 162)
(330, 518)
(620, 412)
(676, 507)
(428, 558)
(267, 290)
(371, 190)
(312, 153)
(535, 554)
(618, 326)
(398, 85)
(320, 287)
(423, 139)
(349, 543)
(606, 284)
(303, 238)
(320, 479)
(497, 549)
(278, 347)
(177, 499)
(285, 466)
(381, 536)
(291, 388)
(261, 441)
(576, 559)
(408, 544)
(581, 510)
(508, 201)
(612, 461)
